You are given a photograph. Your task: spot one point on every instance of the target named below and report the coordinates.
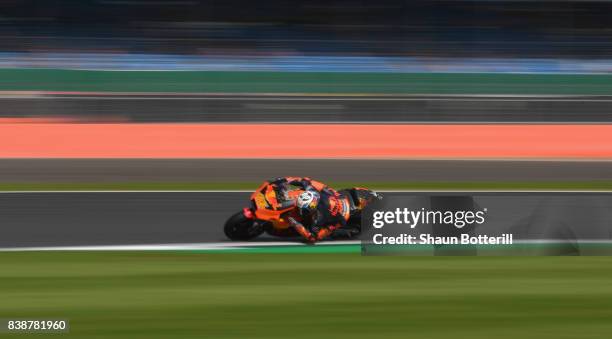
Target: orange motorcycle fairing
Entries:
(273, 203)
(267, 206)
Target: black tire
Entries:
(239, 227)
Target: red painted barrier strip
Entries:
(304, 141)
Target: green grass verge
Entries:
(154, 186)
(189, 295)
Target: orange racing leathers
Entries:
(331, 213)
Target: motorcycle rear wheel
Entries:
(239, 227)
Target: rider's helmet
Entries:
(308, 201)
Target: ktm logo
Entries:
(335, 206)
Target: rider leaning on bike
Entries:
(323, 209)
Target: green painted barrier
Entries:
(286, 82)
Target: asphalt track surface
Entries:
(311, 109)
(132, 218)
(253, 170)
(73, 219)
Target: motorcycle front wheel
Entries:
(239, 227)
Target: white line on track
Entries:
(493, 99)
(380, 191)
(251, 245)
(175, 247)
(20, 94)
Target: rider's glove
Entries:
(292, 221)
(306, 234)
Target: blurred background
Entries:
(390, 94)
(387, 28)
(387, 35)
(514, 63)
(367, 63)
(170, 97)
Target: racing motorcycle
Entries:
(272, 204)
